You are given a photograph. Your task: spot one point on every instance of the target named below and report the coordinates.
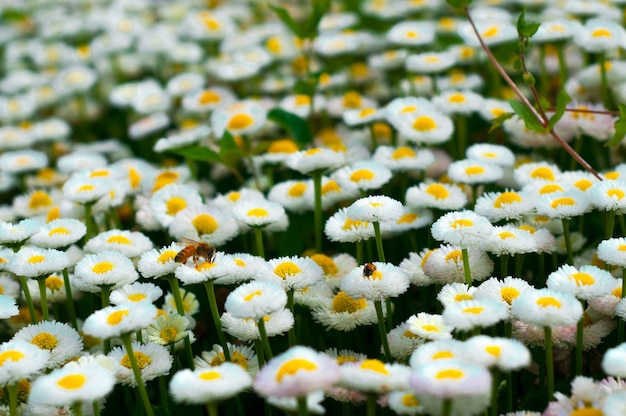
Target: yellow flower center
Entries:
(550, 188)
(477, 310)
(58, 230)
(542, 173)
(462, 296)
(474, 170)
(12, 355)
(291, 367)
(103, 267)
(622, 247)
(205, 224)
(462, 222)
(508, 294)
(283, 146)
(54, 283)
(583, 279)
(39, 199)
(430, 328)
(612, 175)
(452, 373)
(313, 151)
(563, 201)
(240, 121)
(439, 355)
(587, 411)
(167, 256)
(207, 265)
(491, 32)
(175, 204)
(86, 188)
(297, 190)
(119, 239)
(209, 97)
(142, 360)
(583, 184)
(352, 99)
(45, 341)
(409, 400)
(286, 269)
(546, 301)
(326, 263)
(454, 255)
(165, 178)
(615, 193)
(258, 212)
(437, 191)
(236, 357)
(367, 112)
(342, 359)
(375, 365)
(506, 234)
(506, 198)
(402, 152)
(494, 350)
(239, 263)
(72, 381)
(342, 302)
(424, 123)
(330, 186)
(349, 224)
(457, 98)
(617, 292)
(252, 295)
(601, 33)
(362, 175)
(408, 218)
(36, 259)
(134, 178)
(209, 375)
(409, 334)
(168, 334)
(116, 317)
(136, 297)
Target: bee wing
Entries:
(188, 241)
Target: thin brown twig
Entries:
(527, 103)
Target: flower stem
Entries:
(88, 222)
(95, 405)
(77, 409)
(461, 136)
(317, 187)
(466, 267)
(292, 331)
(568, 241)
(141, 387)
(29, 299)
(69, 298)
(210, 293)
(359, 252)
(44, 298)
(105, 292)
(379, 242)
(579, 345)
(381, 328)
(266, 342)
(609, 224)
(547, 331)
(180, 309)
(495, 387)
(620, 324)
(258, 235)
(447, 407)
(12, 399)
(504, 265)
(607, 98)
(211, 408)
(371, 405)
(303, 409)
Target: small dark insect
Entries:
(195, 250)
(368, 269)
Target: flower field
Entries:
(349, 207)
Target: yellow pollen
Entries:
(617, 292)
(116, 317)
(550, 188)
(362, 175)
(546, 301)
(283, 146)
(506, 234)
(142, 360)
(209, 375)
(376, 275)
(297, 190)
(508, 294)
(491, 32)
(327, 264)
(452, 373)
(286, 269)
(53, 214)
(430, 328)
(36, 259)
(46, 174)
(457, 98)
(408, 218)
(408, 109)
(496, 112)
(99, 174)
(209, 97)
(168, 334)
(302, 100)
(431, 59)
(58, 230)
(622, 247)
(205, 224)
(12, 355)
(454, 255)
(474, 170)
(258, 212)
(615, 193)
(240, 121)
(541, 219)
(412, 34)
(274, 44)
(563, 201)
(462, 296)
(342, 359)
(601, 33)
(475, 310)
(461, 223)
(542, 173)
(612, 175)
(165, 178)
(207, 265)
(167, 256)
(86, 188)
(252, 295)
(409, 334)
(45, 341)
(39, 199)
(583, 279)
(119, 239)
(409, 400)
(313, 151)
(437, 191)
(330, 186)
(136, 297)
(583, 184)
(506, 198)
(325, 78)
(175, 204)
(442, 355)
(54, 283)
(424, 123)
(374, 365)
(72, 381)
(402, 152)
(342, 302)
(352, 99)
(494, 350)
(103, 267)
(349, 224)
(291, 367)
(587, 411)
(239, 263)
(367, 112)
(234, 196)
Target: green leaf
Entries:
(526, 29)
(526, 114)
(620, 127)
(497, 122)
(297, 28)
(200, 153)
(459, 4)
(319, 9)
(230, 153)
(296, 126)
(561, 102)
(305, 88)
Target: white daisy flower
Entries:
(412, 33)
(430, 62)
(430, 327)
(135, 292)
(317, 159)
(343, 312)
(585, 282)
(467, 315)
(458, 102)
(293, 273)
(444, 349)
(244, 117)
(609, 195)
(18, 233)
(255, 300)
(19, 162)
(374, 376)
(159, 262)
(413, 266)
(385, 281)
(613, 251)
(129, 243)
(168, 330)
(403, 158)
(505, 290)
(536, 171)
(59, 233)
(8, 307)
(61, 340)
(36, 202)
(474, 172)
(340, 227)
(20, 359)
(170, 200)
(402, 342)
(206, 385)
(246, 329)
(445, 264)
(293, 195)
(462, 228)
(507, 205)
(455, 292)
(547, 308)
(242, 355)
(105, 268)
(363, 175)
(152, 359)
(37, 262)
(424, 127)
(563, 205)
(204, 223)
(259, 213)
(436, 195)
(377, 208)
(113, 321)
(508, 240)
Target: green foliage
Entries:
(296, 126)
(199, 153)
(620, 127)
(307, 29)
(459, 4)
(497, 122)
(526, 29)
(530, 119)
(561, 102)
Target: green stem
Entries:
(607, 98)
(372, 136)
(210, 293)
(258, 347)
(88, 222)
(620, 324)
(69, 298)
(317, 187)
(495, 387)
(466, 267)
(77, 409)
(381, 329)
(266, 342)
(44, 298)
(163, 393)
(258, 235)
(29, 299)
(504, 265)
(211, 408)
(371, 405)
(560, 53)
(303, 409)
(105, 292)
(379, 242)
(292, 331)
(141, 387)
(12, 399)
(359, 252)
(180, 309)
(389, 308)
(509, 391)
(609, 224)
(461, 136)
(549, 361)
(519, 264)
(568, 241)
(95, 405)
(579, 345)
(447, 407)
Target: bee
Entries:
(196, 250)
(368, 269)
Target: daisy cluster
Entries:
(231, 206)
